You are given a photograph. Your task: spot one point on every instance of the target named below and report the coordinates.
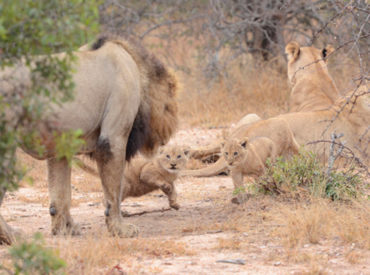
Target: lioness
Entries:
(144, 176)
(312, 86)
(124, 102)
(244, 157)
(349, 115)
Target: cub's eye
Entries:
(168, 156)
(226, 153)
(235, 153)
(179, 156)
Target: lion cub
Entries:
(244, 157)
(144, 176)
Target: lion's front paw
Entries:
(66, 228)
(123, 230)
(175, 205)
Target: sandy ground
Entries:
(200, 238)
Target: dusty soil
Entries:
(206, 230)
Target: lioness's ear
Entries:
(244, 142)
(292, 49)
(327, 51)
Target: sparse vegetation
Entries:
(321, 221)
(304, 175)
(32, 257)
(317, 232)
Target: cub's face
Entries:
(173, 158)
(234, 151)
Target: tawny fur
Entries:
(312, 86)
(204, 152)
(349, 115)
(248, 158)
(124, 102)
(276, 129)
(144, 175)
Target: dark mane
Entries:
(156, 69)
(99, 43)
(156, 119)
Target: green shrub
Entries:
(304, 174)
(34, 258)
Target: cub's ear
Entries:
(161, 150)
(186, 151)
(244, 142)
(327, 51)
(292, 49)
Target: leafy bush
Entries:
(304, 174)
(34, 258)
(30, 33)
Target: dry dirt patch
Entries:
(267, 234)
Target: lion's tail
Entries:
(220, 166)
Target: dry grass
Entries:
(41, 199)
(261, 89)
(226, 101)
(296, 256)
(99, 251)
(35, 176)
(354, 256)
(319, 220)
(228, 243)
(314, 270)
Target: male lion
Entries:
(312, 86)
(144, 176)
(124, 101)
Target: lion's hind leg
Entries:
(59, 175)
(294, 147)
(110, 159)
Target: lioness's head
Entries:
(305, 60)
(234, 151)
(173, 158)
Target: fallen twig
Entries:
(125, 214)
(236, 261)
